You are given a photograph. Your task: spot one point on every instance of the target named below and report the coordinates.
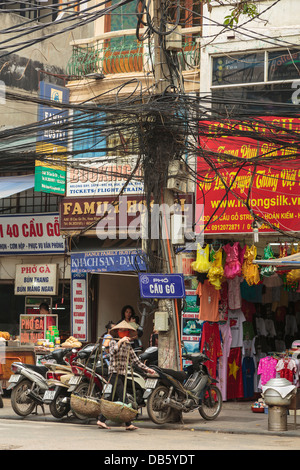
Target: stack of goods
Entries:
(71, 342)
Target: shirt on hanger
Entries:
(236, 319)
(267, 369)
(209, 302)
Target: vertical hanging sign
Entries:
(52, 141)
(79, 306)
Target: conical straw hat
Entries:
(123, 325)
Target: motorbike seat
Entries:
(39, 369)
(179, 375)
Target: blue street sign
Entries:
(162, 286)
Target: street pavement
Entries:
(236, 417)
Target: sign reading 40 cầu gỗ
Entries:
(253, 154)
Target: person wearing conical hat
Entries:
(119, 349)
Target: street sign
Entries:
(162, 286)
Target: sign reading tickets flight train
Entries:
(162, 286)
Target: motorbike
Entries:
(94, 377)
(29, 383)
(183, 391)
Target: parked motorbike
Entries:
(183, 391)
(29, 383)
(92, 378)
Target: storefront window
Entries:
(12, 306)
(242, 68)
(283, 65)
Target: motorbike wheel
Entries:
(211, 403)
(58, 409)
(157, 413)
(20, 402)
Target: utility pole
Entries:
(169, 346)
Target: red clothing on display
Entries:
(235, 376)
(211, 336)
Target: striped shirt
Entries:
(118, 358)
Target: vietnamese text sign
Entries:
(36, 279)
(275, 188)
(52, 140)
(79, 306)
(33, 327)
(108, 261)
(33, 233)
(78, 213)
(162, 286)
(50, 174)
(105, 178)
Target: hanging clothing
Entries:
(234, 259)
(202, 263)
(211, 336)
(225, 331)
(235, 377)
(248, 371)
(250, 271)
(268, 270)
(209, 302)
(223, 303)
(236, 319)
(267, 369)
(287, 368)
(216, 271)
(234, 293)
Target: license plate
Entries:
(14, 378)
(49, 395)
(74, 380)
(150, 383)
(107, 389)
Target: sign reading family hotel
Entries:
(108, 261)
(36, 279)
(32, 233)
(274, 193)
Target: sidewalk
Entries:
(235, 418)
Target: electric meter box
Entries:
(161, 321)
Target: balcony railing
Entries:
(120, 52)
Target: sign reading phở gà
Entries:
(254, 170)
(79, 213)
(31, 233)
(36, 279)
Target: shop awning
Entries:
(10, 185)
(287, 262)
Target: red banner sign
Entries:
(265, 162)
